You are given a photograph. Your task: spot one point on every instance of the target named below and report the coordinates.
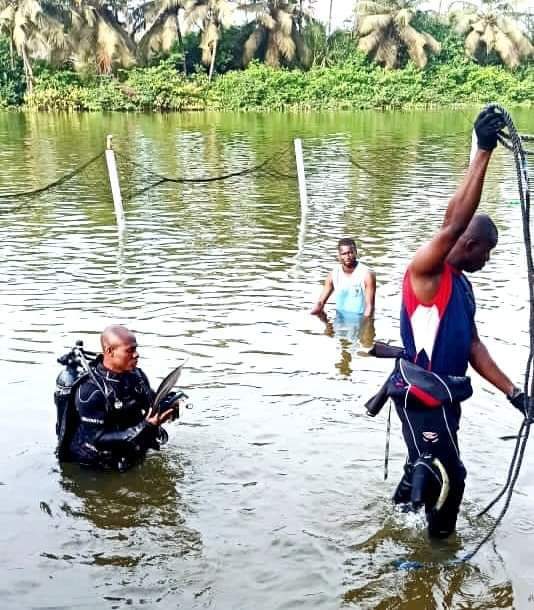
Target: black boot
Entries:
(403, 492)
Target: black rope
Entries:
(52, 185)
(274, 173)
(516, 146)
(363, 168)
(504, 140)
(143, 190)
(161, 179)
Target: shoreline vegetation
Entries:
(340, 77)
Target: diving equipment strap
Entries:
(388, 436)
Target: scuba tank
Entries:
(75, 369)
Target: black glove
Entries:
(517, 398)
(172, 401)
(487, 125)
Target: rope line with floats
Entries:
(265, 166)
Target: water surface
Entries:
(270, 493)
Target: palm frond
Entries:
(506, 50)
(472, 43)
(387, 53)
(160, 37)
(252, 44)
(266, 21)
(488, 37)
(433, 45)
(285, 44)
(462, 21)
(479, 26)
(415, 45)
(195, 13)
(285, 22)
(373, 22)
(512, 29)
(369, 43)
(403, 17)
(272, 54)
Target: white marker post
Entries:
(114, 183)
(301, 176)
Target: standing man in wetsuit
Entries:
(438, 328)
(353, 282)
(116, 426)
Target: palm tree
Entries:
(212, 15)
(158, 23)
(489, 30)
(278, 31)
(385, 32)
(35, 29)
(97, 38)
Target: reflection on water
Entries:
(270, 492)
(355, 333)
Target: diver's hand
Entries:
(517, 398)
(487, 126)
(157, 419)
(172, 400)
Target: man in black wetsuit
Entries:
(115, 424)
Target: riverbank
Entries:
(353, 82)
(356, 84)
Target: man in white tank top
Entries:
(353, 282)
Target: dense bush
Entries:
(12, 82)
(158, 87)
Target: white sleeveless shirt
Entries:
(350, 288)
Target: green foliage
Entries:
(229, 49)
(158, 87)
(359, 84)
(341, 77)
(163, 88)
(12, 82)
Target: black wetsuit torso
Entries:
(112, 431)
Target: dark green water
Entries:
(270, 493)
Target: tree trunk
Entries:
(213, 54)
(330, 19)
(181, 42)
(27, 70)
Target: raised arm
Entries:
(428, 262)
(328, 288)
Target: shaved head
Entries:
(482, 228)
(472, 250)
(119, 348)
(114, 335)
